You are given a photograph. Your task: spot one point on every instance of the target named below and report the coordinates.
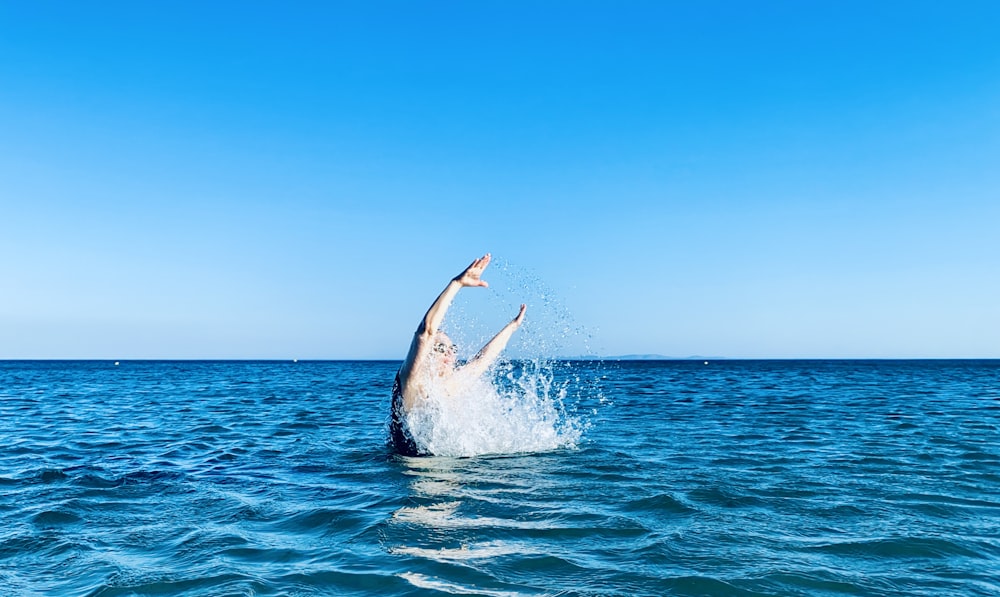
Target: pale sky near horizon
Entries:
(300, 180)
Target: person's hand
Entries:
(471, 275)
(520, 316)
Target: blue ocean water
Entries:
(681, 478)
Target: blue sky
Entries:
(299, 180)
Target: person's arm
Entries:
(478, 364)
(471, 276)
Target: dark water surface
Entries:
(731, 478)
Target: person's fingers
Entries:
(476, 268)
(520, 313)
(480, 264)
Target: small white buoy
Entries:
(116, 363)
(295, 360)
(706, 362)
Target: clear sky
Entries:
(299, 180)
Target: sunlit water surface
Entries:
(663, 478)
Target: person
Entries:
(431, 360)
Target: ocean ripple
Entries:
(736, 478)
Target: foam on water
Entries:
(422, 581)
(514, 408)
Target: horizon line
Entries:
(556, 358)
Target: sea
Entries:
(691, 477)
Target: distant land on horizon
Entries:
(644, 357)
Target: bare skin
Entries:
(431, 351)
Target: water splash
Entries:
(517, 407)
(528, 404)
(550, 330)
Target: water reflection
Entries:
(471, 513)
